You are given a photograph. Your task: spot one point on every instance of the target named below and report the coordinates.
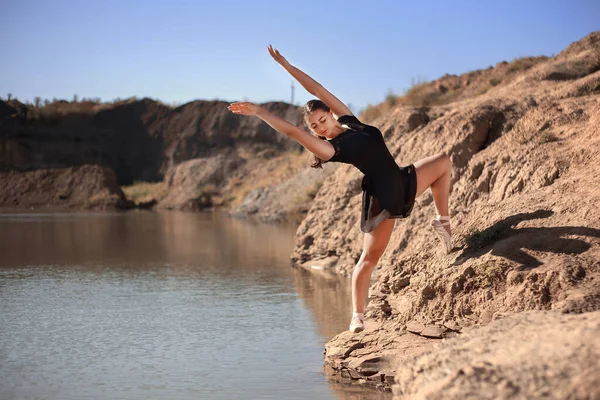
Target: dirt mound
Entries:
(139, 139)
(62, 135)
(85, 187)
(288, 200)
(524, 206)
(200, 129)
(192, 184)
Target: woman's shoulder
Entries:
(349, 119)
(353, 123)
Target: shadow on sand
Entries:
(553, 239)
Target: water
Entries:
(173, 305)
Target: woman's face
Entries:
(322, 123)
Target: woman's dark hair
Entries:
(308, 109)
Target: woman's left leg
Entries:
(374, 244)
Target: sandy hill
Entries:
(525, 275)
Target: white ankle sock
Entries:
(359, 315)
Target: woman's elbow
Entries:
(327, 154)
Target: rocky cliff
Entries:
(524, 209)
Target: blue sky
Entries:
(179, 51)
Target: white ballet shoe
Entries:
(357, 324)
(438, 225)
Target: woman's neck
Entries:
(338, 129)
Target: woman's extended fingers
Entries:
(236, 108)
(244, 108)
(276, 55)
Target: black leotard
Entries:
(388, 190)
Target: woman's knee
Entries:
(364, 267)
(443, 164)
(368, 261)
(445, 160)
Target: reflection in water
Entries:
(142, 238)
(344, 391)
(329, 297)
(161, 305)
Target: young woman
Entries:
(389, 191)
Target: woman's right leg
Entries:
(434, 172)
(374, 244)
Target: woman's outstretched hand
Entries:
(244, 108)
(278, 57)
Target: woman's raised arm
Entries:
(313, 87)
(320, 148)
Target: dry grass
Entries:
(306, 195)
(145, 192)
(57, 109)
(297, 208)
(451, 88)
(489, 273)
(523, 64)
(259, 173)
(546, 137)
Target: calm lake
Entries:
(173, 305)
